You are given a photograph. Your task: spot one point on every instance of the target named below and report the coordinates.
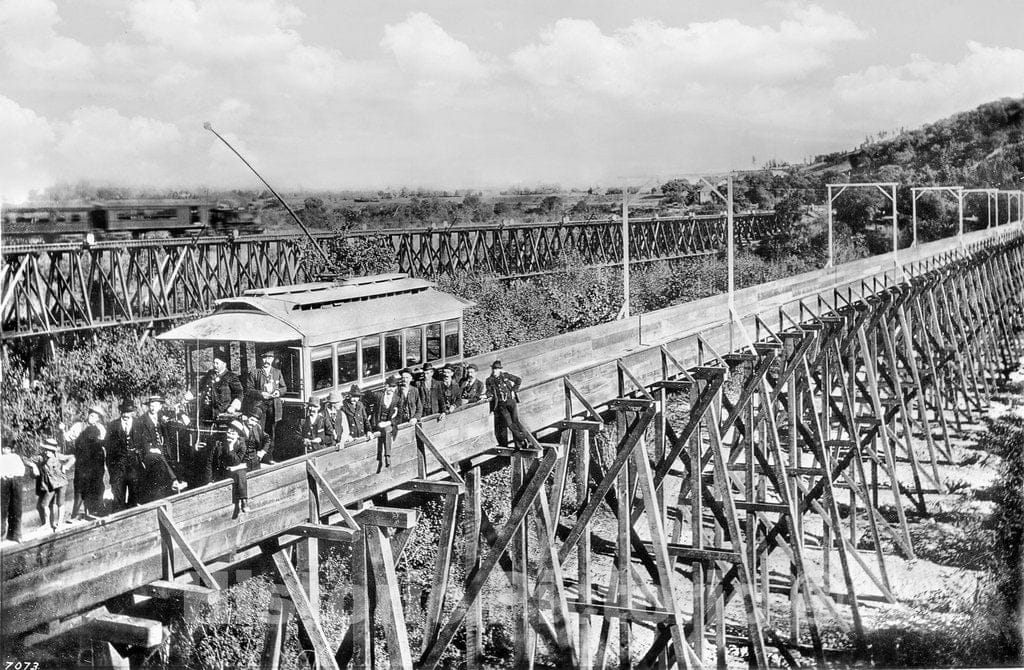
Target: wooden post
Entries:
(520, 580)
(583, 552)
(474, 619)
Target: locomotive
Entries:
(48, 222)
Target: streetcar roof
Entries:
(323, 312)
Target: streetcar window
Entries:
(323, 369)
(348, 366)
(451, 339)
(413, 346)
(291, 370)
(393, 352)
(371, 355)
(433, 342)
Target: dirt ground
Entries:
(944, 577)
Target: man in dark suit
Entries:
(146, 431)
(384, 415)
(472, 389)
(425, 383)
(122, 456)
(503, 393)
(444, 395)
(220, 390)
(336, 428)
(410, 404)
(311, 430)
(359, 423)
(267, 384)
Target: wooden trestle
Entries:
(715, 443)
(50, 289)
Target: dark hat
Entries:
(269, 352)
(222, 354)
(354, 390)
(127, 405)
(239, 428)
(256, 412)
(155, 398)
(496, 364)
(50, 444)
(471, 366)
(407, 371)
(96, 409)
(313, 402)
(448, 368)
(392, 381)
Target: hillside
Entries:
(982, 147)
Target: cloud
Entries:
(110, 147)
(422, 48)
(925, 90)
(27, 141)
(32, 47)
(683, 67)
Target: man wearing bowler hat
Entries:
(336, 428)
(384, 415)
(220, 390)
(503, 392)
(121, 453)
(267, 384)
(311, 430)
(355, 410)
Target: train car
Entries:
(327, 336)
(48, 222)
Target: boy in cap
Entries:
(233, 465)
(12, 473)
(471, 389)
(503, 392)
(336, 428)
(89, 465)
(220, 390)
(267, 384)
(52, 468)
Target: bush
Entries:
(101, 370)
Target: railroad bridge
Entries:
(714, 434)
(50, 289)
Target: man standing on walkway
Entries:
(503, 392)
(220, 390)
(121, 454)
(12, 473)
(267, 383)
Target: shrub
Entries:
(103, 370)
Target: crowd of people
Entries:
(141, 456)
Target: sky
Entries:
(369, 94)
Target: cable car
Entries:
(327, 336)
